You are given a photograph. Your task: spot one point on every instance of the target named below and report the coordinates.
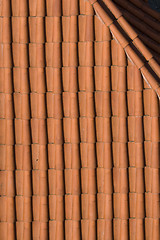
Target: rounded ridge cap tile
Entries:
(134, 57)
(118, 35)
(127, 27)
(102, 15)
(145, 52)
(155, 66)
(113, 8)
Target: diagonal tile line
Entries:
(152, 79)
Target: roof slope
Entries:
(79, 125)
(128, 37)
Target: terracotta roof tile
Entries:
(5, 9)
(70, 31)
(6, 106)
(55, 156)
(20, 80)
(119, 129)
(113, 9)
(53, 126)
(53, 85)
(120, 154)
(79, 120)
(6, 86)
(136, 154)
(88, 155)
(103, 105)
(70, 7)
(22, 107)
(118, 56)
(54, 102)
(5, 57)
(104, 228)
(53, 7)
(19, 8)
(118, 36)
(36, 29)
(7, 183)
(37, 102)
(137, 42)
(137, 209)
(152, 231)
(5, 30)
(38, 131)
(86, 28)
(107, 20)
(20, 33)
(85, 8)
(101, 32)
(137, 228)
(69, 52)
(7, 205)
(7, 157)
(70, 108)
(69, 78)
(40, 230)
(127, 28)
(102, 82)
(6, 132)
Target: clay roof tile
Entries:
(106, 19)
(19, 8)
(37, 8)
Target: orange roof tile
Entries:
(79, 120)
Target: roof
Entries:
(129, 39)
(79, 120)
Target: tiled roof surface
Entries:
(79, 121)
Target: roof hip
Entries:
(127, 37)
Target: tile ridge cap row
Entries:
(103, 16)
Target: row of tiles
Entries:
(87, 79)
(75, 181)
(74, 130)
(139, 61)
(49, 55)
(74, 207)
(52, 29)
(101, 229)
(85, 155)
(45, 7)
(100, 104)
